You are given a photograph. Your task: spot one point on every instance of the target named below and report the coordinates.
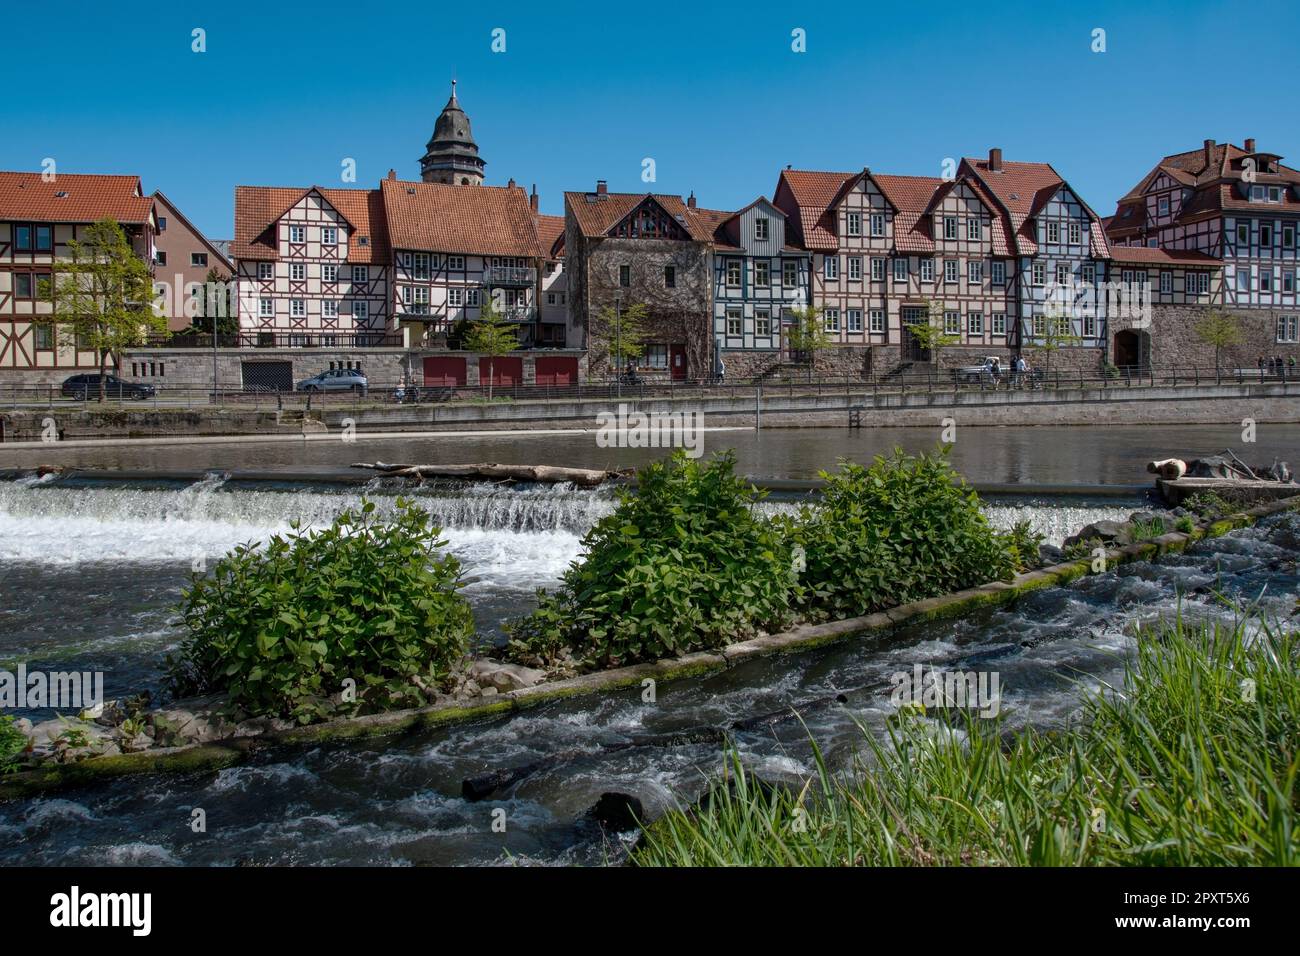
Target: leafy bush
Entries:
(1025, 542)
(1185, 524)
(12, 743)
(684, 563)
(280, 629)
(906, 528)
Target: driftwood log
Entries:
(491, 471)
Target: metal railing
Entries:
(182, 395)
(279, 340)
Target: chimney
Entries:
(392, 174)
(690, 200)
(532, 199)
(995, 160)
(1209, 152)
(602, 187)
(1250, 145)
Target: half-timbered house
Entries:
(1061, 257)
(39, 217)
(1241, 207)
(313, 267)
(453, 248)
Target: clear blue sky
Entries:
(713, 93)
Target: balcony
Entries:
(518, 313)
(509, 276)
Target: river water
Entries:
(89, 577)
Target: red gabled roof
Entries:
(597, 213)
(469, 220)
(912, 197)
(1023, 189)
(1146, 255)
(73, 197)
(550, 233)
(259, 208)
(806, 196)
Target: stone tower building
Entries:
(451, 156)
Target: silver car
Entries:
(335, 380)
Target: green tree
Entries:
(216, 301)
(624, 332)
(491, 335)
(101, 296)
(1056, 335)
(807, 334)
(1221, 330)
(930, 334)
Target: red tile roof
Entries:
(1023, 189)
(597, 213)
(810, 193)
(471, 220)
(259, 208)
(1146, 254)
(73, 197)
(550, 233)
(911, 197)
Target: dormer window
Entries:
(761, 229)
(1257, 194)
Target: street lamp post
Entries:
(618, 344)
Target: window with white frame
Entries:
(521, 298)
(1039, 274)
(266, 307)
(952, 323)
(1288, 237)
(877, 269)
(1039, 326)
(360, 275)
(360, 311)
(1162, 206)
(762, 273)
(853, 223)
(297, 271)
(266, 271)
(329, 236)
(1076, 234)
(297, 308)
(877, 319)
(877, 224)
(1088, 273)
(733, 272)
(1243, 280)
(950, 227)
(927, 270)
(951, 270)
(974, 230)
(1288, 328)
(297, 233)
(1062, 274)
(735, 322)
(329, 273)
(855, 268)
(832, 317)
(761, 226)
(789, 273)
(998, 272)
(1053, 232)
(1202, 283)
(329, 308)
(455, 263)
(1288, 280)
(456, 298)
(975, 323)
(975, 272)
(831, 268)
(998, 323)
(763, 323)
(900, 270)
(1243, 233)
(1061, 324)
(854, 317)
(1166, 282)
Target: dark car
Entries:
(86, 387)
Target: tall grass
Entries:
(1193, 762)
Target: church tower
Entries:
(452, 155)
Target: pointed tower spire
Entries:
(451, 156)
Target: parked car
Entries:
(86, 386)
(982, 373)
(336, 380)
